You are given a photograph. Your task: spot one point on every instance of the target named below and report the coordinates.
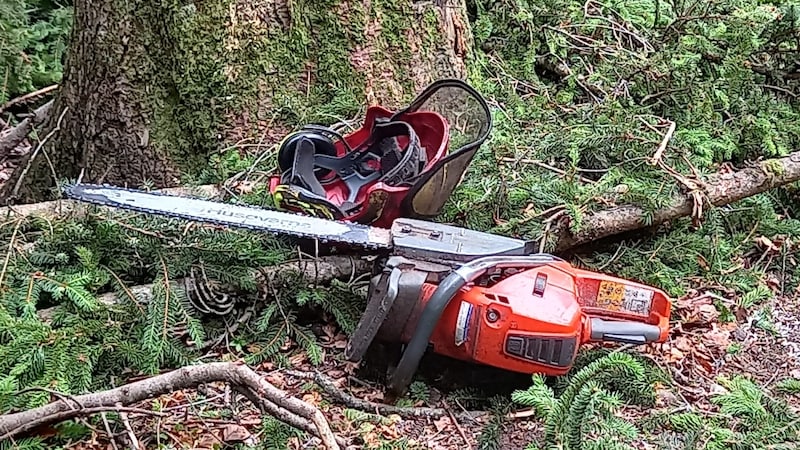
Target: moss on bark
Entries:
(154, 87)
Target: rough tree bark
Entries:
(151, 88)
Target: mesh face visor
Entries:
(470, 123)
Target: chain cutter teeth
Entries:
(74, 192)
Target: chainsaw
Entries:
(473, 296)
(469, 295)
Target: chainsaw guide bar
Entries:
(408, 237)
(232, 215)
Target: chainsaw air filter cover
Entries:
(397, 164)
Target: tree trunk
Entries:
(152, 88)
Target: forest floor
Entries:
(712, 336)
(763, 343)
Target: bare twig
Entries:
(664, 142)
(108, 430)
(349, 400)
(28, 96)
(13, 138)
(134, 441)
(12, 425)
(544, 165)
(456, 424)
(9, 252)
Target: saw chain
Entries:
(232, 215)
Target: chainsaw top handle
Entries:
(400, 379)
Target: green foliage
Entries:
(275, 434)
(489, 438)
(28, 443)
(583, 414)
(586, 89)
(278, 322)
(85, 344)
(788, 385)
(747, 419)
(33, 39)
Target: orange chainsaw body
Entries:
(535, 320)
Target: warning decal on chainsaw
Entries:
(622, 298)
(462, 323)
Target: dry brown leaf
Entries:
(336, 374)
(665, 397)
(244, 187)
(766, 242)
(312, 398)
(390, 431)
(720, 338)
(298, 359)
(675, 355)
(683, 343)
(442, 423)
(329, 330)
(235, 433)
(340, 341)
(276, 378)
(372, 439)
(208, 440)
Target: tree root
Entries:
(327, 385)
(266, 396)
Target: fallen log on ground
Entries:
(267, 397)
(718, 190)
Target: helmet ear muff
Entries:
(322, 145)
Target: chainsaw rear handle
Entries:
(601, 330)
(400, 379)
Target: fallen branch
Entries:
(291, 410)
(327, 385)
(11, 139)
(720, 189)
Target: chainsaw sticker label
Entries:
(626, 299)
(462, 323)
